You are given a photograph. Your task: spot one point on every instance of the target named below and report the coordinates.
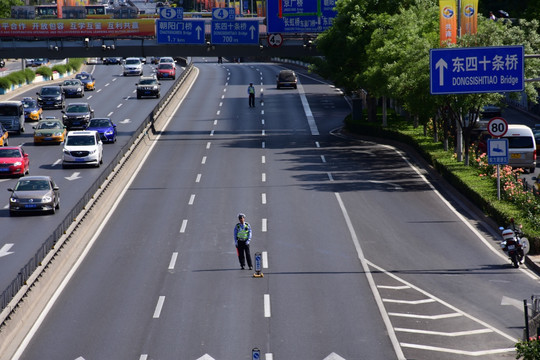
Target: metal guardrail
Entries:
(49, 244)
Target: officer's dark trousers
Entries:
(251, 100)
(243, 253)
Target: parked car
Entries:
(14, 161)
(166, 71)
(34, 193)
(105, 128)
(51, 96)
(87, 79)
(82, 148)
(133, 66)
(4, 136)
(32, 110)
(50, 130)
(286, 78)
(73, 88)
(77, 115)
(40, 62)
(148, 86)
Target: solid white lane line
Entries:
(203, 160)
(410, 302)
(198, 179)
(265, 259)
(267, 305)
(307, 110)
(461, 352)
(172, 263)
(263, 177)
(208, 145)
(183, 227)
(159, 307)
(263, 198)
(263, 159)
(447, 334)
(264, 225)
(191, 199)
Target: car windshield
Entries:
(9, 110)
(50, 91)
(165, 66)
(133, 62)
(520, 142)
(84, 140)
(10, 153)
(77, 109)
(71, 82)
(147, 82)
(83, 76)
(49, 125)
(287, 76)
(29, 104)
(99, 123)
(32, 185)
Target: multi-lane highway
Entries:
(364, 255)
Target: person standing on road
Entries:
(242, 238)
(251, 93)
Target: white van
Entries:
(12, 116)
(521, 147)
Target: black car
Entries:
(51, 96)
(112, 61)
(286, 78)
(77, 116)
(148, 86)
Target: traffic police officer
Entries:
(251, 93)
(242, 237)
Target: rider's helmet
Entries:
(508, 234)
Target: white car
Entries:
(133, 66)
(82, 148)
(166, 59)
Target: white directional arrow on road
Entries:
(79, 358)
(206, 357)
(441, 65)
(73, 176)
(333, 356)
(125, 121)
(4, 251)
(514, 302)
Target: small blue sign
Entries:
(169, 13)
(180, 32)
(477, 70)
(223, 14)
(235, 32)
(498, 151)
(255, 354)
(308, 16)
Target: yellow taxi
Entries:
(49, 130)
(32, 110)
(87, 79)
(3, 136)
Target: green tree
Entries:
(5, 7)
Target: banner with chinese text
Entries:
(469, 16)
(448, 21)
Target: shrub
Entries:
(75, 64)
(528, 349)
(30, 75)
(17, 78)
(61, 69)
(5, 83)
(44, 71)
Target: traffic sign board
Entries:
(498, 151)
(170, 13)
(235, 32)
(477, 70)
(497, 127)
(300, 16)
(223, 14)
(180, 32)
(275, 40)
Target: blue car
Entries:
(105, 127)
(32, 110)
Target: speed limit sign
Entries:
(497, 127)
(275, 40)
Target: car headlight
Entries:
(46, 198)
(39, 98)
(58, 98)
(108, 132)
(17, 163)
(66, 151)
(64, 117)
(59, 133)
(79, 89)
(14, 199)
(34, 112)
(92, 151)
(154, 87)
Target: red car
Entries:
(14, 161)
(166, 71)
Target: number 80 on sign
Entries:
(497, 127)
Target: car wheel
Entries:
(27, 170)
(6, 142)
(57, 203)
(53, 210)
(138, 96)
(12, 213)
(158, 95)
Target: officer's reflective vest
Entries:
(251, 90)
(242, 232)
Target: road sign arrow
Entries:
(73, 176)
(206, 357)
(333, 356)
(198, 29)
(441, 65)
(252, 30)
(4, 251)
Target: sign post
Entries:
(258, 265)
(498, 147)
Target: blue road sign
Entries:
(223, 14)
(235, 32)
(476, 70)
(170, 13)
(180, 32)
(498, 151)
(307, 16)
